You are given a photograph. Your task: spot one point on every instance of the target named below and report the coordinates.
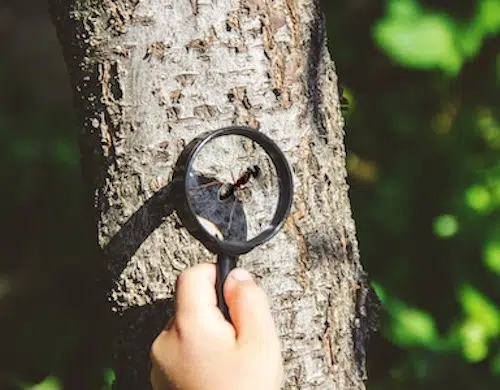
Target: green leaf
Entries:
(481, 324)
(491, 256)
(474, 341)
(478, 198)
(49, 383)
(109, 379)
(445, 226)
(380, 291)
(413, 327)
(477, 306)
(488, 127)
(488, 16)
(485, 22)
(418, 39)
(423, 39)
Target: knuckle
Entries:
(184, 277)
(185, 327)
(155, 350)
(181, 326)
(192, 274)
(160, 344)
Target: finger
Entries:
(163, 350)
(249, 308)
(195, 290)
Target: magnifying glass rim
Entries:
(284, 176)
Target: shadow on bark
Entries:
(139, 326)
(137, 229)
(315, 66)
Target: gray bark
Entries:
(148, 77)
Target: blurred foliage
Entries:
(49, 383)
(423, 137)
(424, 39)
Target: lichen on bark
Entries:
(151, 75)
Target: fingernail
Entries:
(240, 274)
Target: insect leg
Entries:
(212, 183)
(231, 214)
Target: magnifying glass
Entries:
(234, 190)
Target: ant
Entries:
(227, 190)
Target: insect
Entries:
(234, 188)
(228, 189)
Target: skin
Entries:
(200, 350)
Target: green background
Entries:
(423, 136)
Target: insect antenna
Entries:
(205, 185)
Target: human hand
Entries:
(200, 350)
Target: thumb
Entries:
(248, 308)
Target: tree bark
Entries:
(148, 77)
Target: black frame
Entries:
(187, 214)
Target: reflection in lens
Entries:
(232, 183)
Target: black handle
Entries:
(225, 264)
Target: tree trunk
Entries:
(151, 75)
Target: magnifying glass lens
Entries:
(233, 188)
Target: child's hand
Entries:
(200, 350)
